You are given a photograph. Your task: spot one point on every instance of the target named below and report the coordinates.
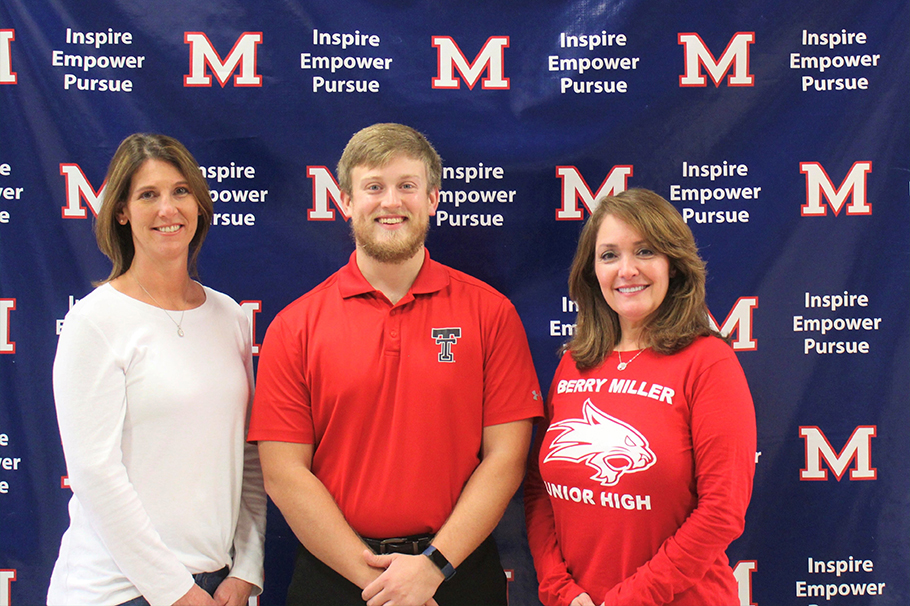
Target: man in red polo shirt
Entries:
(394, 403)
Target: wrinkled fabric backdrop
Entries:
(779, 129)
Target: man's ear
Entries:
(434, 200)
(346, 203)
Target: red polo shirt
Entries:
(395, 397)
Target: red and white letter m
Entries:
(858, 449)
(819, 184)
(735, 56)
(202, 53)
(489, 59)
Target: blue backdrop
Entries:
(779, 129)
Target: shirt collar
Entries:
(431, 278)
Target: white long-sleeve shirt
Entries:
(153, 428)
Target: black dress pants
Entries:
(479, 581)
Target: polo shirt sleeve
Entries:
(511, 390)
(281, 406)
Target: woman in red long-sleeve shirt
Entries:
(642, 471)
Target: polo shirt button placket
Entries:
(393, 323)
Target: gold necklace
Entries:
(183, 311)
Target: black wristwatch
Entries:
(448, 571)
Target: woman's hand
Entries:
(233, 592)
(583, 600)
(196, 596)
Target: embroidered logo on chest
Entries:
(601, 442)
(446, 338)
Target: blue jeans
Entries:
(207, 580)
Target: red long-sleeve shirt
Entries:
(640, 479)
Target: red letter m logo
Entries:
(858, 449)
(252, 309)
(489, 59)
(739, 321)
(324, 188)
(575, 188)
(7, 345)
(77, 189)
(7, 576)
(742, 572)
(202, 53)
(7, 75)
(818, 184)
(736, 55)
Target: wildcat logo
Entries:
(603, 443)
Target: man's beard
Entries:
(395, 248)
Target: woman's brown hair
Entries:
(682, 315)
(116, 240)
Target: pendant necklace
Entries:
(183, 311)
(622, 365)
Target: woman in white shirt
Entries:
(152, 381)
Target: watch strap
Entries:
(448, 571)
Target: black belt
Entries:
(413, 545)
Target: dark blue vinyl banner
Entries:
(780, 131)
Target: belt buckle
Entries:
(398, 545)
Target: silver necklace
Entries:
(622, 365)
(183, 311)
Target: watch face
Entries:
(448, 571)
